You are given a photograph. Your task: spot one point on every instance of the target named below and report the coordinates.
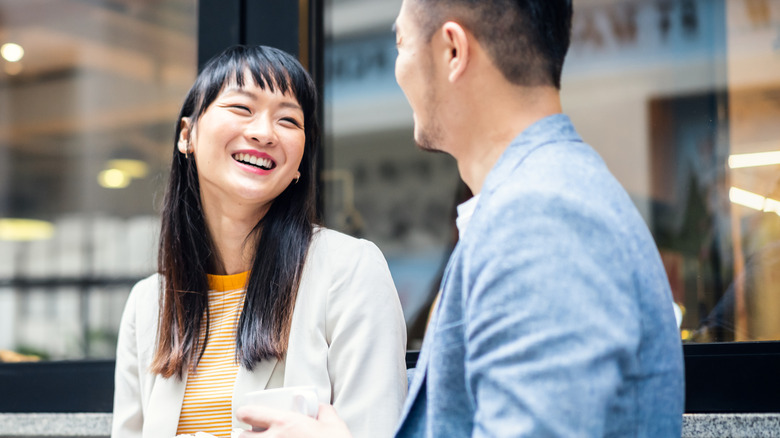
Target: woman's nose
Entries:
(261, 130)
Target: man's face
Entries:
(414, 72)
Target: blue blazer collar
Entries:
(550, 129)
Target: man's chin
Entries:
(425, 143)
(428, 148)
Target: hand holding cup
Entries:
(289, 416)
(296, 399)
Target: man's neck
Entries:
(497, 118)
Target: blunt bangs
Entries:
(270, 69)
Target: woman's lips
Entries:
(265, 163)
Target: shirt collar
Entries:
(465, 210)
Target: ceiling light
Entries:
(772, 205)
(113, 179)
(25, 229)
(131, 168)
(11, 52)
(754, 201)
(737, 161)
(746, 199)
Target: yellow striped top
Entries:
(209, 392)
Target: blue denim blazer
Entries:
(556, 315)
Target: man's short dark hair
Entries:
(526, 39)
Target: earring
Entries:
(295, 181)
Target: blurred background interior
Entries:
(681, 98)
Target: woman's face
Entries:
(247, 146)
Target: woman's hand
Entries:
(285, 424)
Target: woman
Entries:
(250, 293)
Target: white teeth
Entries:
(251, 159)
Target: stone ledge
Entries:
(99, 425)
(55, 425)
(731, 425)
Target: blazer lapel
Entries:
(421, 369)
(162, 413)
(248, 381)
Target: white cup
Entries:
(299, 399)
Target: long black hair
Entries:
(187, 252)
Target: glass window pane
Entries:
(670, 93)
(675, 96)
(89, 93)
(377, 185)
(753, 60)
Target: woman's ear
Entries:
(458, 54)
(184, 135)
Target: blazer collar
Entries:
(554, 128)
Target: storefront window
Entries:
(681, 99)
(89, 93)
(675, 95)
(377, 185)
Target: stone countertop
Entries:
(55, 425)
(99, 425)
(731, 425)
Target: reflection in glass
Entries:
(89, 91)
(668, 92)
(376, 184)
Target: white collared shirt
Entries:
(465, 211)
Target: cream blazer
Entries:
(348, 338)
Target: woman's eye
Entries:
(293, 121)
(241, 107)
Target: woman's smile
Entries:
(256, 162)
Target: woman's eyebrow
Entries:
(239, 90)
(292, 105)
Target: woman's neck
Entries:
(230, 230)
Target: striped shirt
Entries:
(209, 393)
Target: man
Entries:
(556, 317)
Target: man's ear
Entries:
(457, 55)
(184, 135)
